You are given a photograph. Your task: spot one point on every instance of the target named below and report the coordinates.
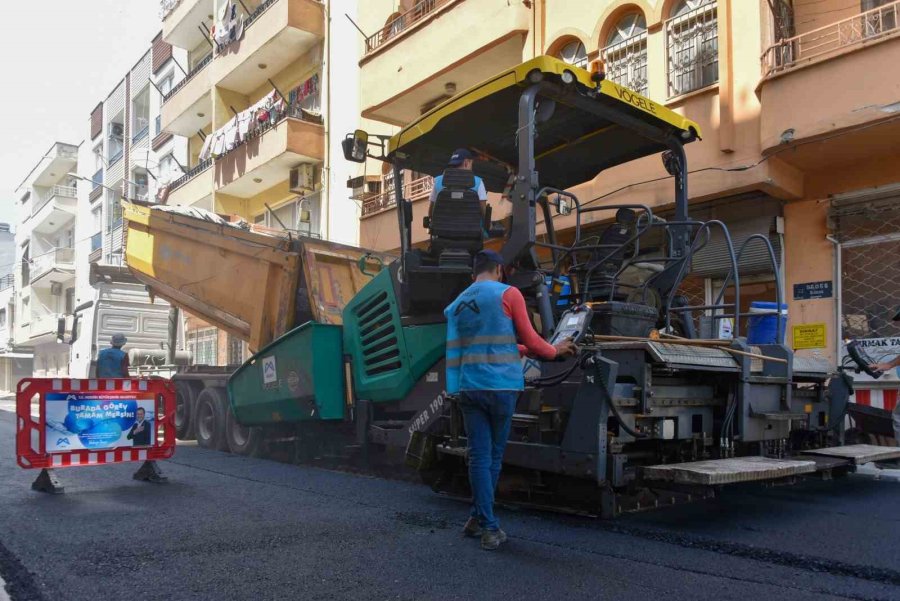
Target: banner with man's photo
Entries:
(99, 421)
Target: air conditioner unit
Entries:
(303, 178)
(56, 288)
(118, 130)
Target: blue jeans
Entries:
(488, 416)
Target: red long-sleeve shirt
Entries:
(530, 342)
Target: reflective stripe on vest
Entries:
(482, 353)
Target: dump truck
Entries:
(254, 282)
(650, 412)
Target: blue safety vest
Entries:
(481, 342)
(439, 184)
(109, 363)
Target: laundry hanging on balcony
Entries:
(245, 125)
(228, 26)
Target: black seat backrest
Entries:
(457, 210)
(607, 260)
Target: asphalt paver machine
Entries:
(649, 413)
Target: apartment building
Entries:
(126, 153)
(14, 363)
(798, 103)
(271, 88)
(44, 268)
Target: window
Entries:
(168, 169)
(625, 54)
(574, 53)
(235, 350)
(116, 134)
(165, 84)
(878, 21)
(692, 40)
(139, 185)
(113, 210)
(140, 114)
(204, 346)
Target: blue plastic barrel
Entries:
(762, 329)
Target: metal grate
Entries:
(692, 43)
(870, 267)
(378, 336)
(203, 345)
(626, 63)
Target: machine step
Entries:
(778, 416)
(859, 453)
(728, 471)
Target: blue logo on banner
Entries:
(62, 441)
(99, 423)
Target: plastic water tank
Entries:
(762, 328)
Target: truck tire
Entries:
(210, 419)
(185, 408)
(242, 440)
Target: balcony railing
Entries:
(402, 22)
(190, 174)
(167, 7)
(115, 157)
(7, 281)
(414, 190)
(57, 258)
(142, 133)
(197, 68)
(45, 323)
(66, 191)
(865, 27)
(257, 12)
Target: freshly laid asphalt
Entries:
(228, 527)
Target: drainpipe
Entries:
(326, 176)
(838, 327)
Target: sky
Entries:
(60, 58)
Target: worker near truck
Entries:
(488, 329)
(460, 159)
(887, 366)
(113, 362)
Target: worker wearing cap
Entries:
(488, 329)
(113, 362)
(887, 366)
(460, 159)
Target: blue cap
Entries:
(487, 256)
(459, 155)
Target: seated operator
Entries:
(460, 159)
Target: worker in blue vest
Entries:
(113, 362)
(460, 159)
(488, 330)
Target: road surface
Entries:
(227, 527)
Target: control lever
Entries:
(573, 324)
(862, 359)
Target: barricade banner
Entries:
(63, 422)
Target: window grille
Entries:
(692, 41)
(625, 54)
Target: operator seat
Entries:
(457, 223)
(434, 276)
(598, 278)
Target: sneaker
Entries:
(491, 539)
(472, 529)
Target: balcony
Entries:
(181, 21)
(194, 187)
(54, 266)
(188, 105)
(7, 281)
(42, 325)
(276, 34)
(54, 209)
(414, 190)
(96, 248)
(60, 159)
(96, 186)
(398, 70)
(265, 160)
(821, 68)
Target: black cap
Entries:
(487, 256)
(459, 155)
